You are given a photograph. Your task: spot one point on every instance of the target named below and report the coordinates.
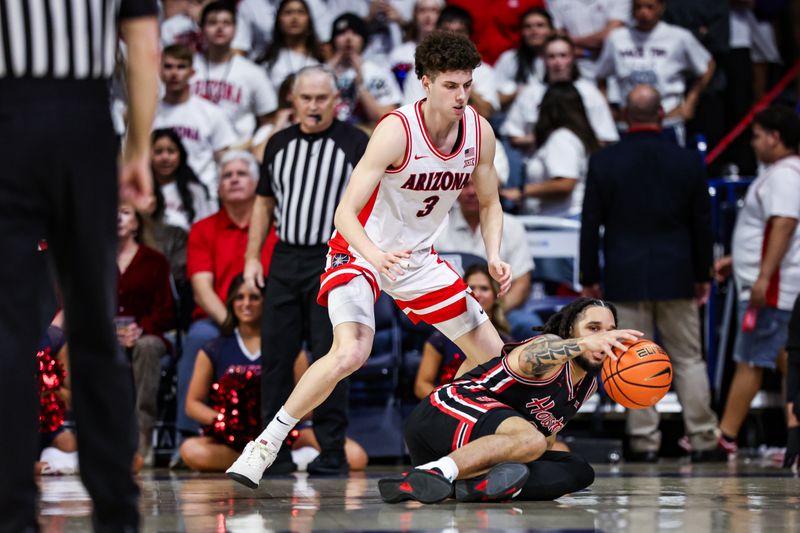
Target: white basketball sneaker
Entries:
(250, 466)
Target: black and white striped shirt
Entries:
(63, 39)
(307, 174)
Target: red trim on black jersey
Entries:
(528, 381)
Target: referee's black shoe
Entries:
(502, 482)
(426, 486)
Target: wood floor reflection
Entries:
(674, 497)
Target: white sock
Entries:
(445, 465)
(277, 430)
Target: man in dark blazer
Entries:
(651, 198)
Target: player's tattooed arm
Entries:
(547, 351)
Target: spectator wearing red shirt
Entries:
(496, 24)
(145, 311)
(216, 256)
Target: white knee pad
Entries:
(473, 317)
(352, 302)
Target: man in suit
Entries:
(651, 198)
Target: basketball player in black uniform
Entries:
(492, 429)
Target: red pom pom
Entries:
(237, 399)
(448, 371)
(51, 378)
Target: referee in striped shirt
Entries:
(58, 181)
(303, 176)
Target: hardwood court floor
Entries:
(668, 497)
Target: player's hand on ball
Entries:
(501, 272)
(605, 342)
(393, 264)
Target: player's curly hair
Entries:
(563, 322)
(443, 51)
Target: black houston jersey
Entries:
(549, 404)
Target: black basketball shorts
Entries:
(450, 418)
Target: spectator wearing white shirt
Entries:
(426, 13)
(181, 199)
(766, 264)
(255, 22)
(385, 19)
(238, 86)
(179, 25)
(484, 97)
(368, 90)
(588, 23)
(655, 53)
(256, 18)
(294, 43)
(202, 126)
(522, 66)
(556, 173)
(559, 57)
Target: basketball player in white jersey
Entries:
(395, 205)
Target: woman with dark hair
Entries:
(524, 65)
(145, 312)
(239, 345)
(490, 434)
(556, 173)
(441, 358)
(559, 64)
(294, 42)
(181, 199)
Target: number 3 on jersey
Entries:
(430, 203)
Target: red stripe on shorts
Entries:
(440, 315)
(330, 279)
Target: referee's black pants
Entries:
(58, 180)
(291, 316)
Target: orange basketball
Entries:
(641, 375)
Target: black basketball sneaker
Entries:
(426, 486)
(503, 482)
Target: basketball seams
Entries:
(613, 378)
(642, 384)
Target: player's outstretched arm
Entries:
(546, 351)
(491, 212)
(386, 148)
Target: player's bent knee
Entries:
(531, 445)
(348, 359)
(194, 454)
(583, 474)
(538, 445)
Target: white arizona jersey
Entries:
(409, 207)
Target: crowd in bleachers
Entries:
(556, 82)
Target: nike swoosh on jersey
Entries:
(416, 157)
